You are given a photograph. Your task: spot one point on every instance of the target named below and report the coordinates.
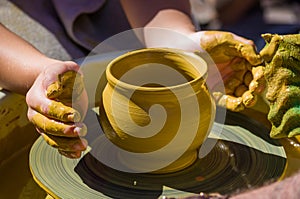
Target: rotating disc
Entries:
(239, 160)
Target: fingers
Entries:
(239, 79)
(240, 90)
(236, 58)
(53, 109)
(57, 103)
(67, 138)
(65, 144)
(243, 40)
(258, 84)
(246, 84)
(246, 49)
(67, 88)
(70, 154)
(242, 94)
(59, 111)
(69, 147)
(52, 73)
(248, 52)
(224, 46)
(249, 98)
(232, 85)
(229, 102)
(55, 127)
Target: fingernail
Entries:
(74, 117)
(81, 130)
(69, 154)
(75, 154)
(80, 146)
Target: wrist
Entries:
(32, 71)
(174, 20)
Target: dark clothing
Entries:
(78, 25)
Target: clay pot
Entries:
(157, 108)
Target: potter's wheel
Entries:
(239, 160)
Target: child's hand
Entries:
(57, 105)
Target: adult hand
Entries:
(57, 104)
(238, 64)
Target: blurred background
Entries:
(248, 18)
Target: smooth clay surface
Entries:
(142, 82)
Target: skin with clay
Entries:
(242, 87)
(279, 73)
(68, 88)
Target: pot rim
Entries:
(121, 84)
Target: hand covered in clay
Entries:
(236, 59)
(57, 104)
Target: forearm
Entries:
(162, 14)
(174, 20)
(20, 62)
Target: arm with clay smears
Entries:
(25, 70)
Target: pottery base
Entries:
(140, 164)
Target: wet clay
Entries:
(246, 82)
(64, 91)
(58, 126)
(282, 73)
(67, 88)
